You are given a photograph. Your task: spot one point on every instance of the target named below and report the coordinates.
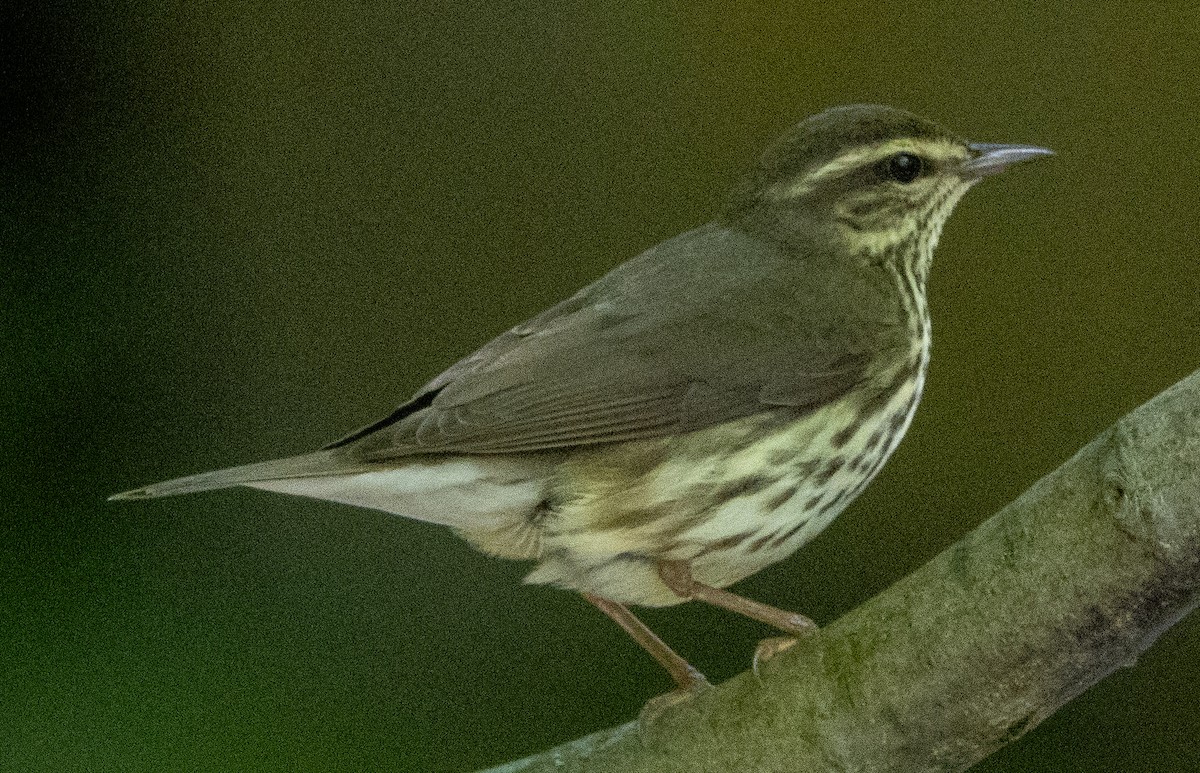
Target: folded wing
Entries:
(709, 326)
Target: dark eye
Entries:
(903, 167)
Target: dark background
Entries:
(231, 232)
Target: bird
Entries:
(700, 412)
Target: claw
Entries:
(770, 648)
(659, 705)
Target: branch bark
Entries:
(1067, 583)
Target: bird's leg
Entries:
(688, 679)
(677, 576)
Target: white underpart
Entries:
(463, 492)
(738, 516)
(591, 559)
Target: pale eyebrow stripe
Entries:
(856, 157)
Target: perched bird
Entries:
(700, 412)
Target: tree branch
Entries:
(1066, 584)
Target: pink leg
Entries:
(687, 677)
(678, 577)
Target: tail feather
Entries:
(305, 465)
(490, 498)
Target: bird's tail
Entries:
(305, 465)
(489, 496)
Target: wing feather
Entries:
(709, 326)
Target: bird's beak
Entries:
(991, 158)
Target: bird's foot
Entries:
(659, 705)
(770, 648)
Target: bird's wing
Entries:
(703, 328)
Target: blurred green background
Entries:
(233, 231)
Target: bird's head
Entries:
(873, 179)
